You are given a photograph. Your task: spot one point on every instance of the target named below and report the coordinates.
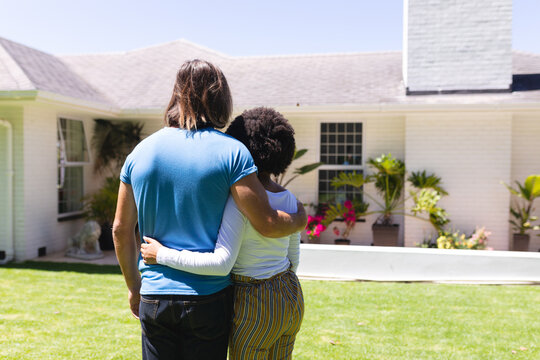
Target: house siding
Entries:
(471, 152)
(14, 115)
(525, 161)
(40, 190)
(37, 222)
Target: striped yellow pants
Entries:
(267, 317)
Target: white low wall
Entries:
(417, 264)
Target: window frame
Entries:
(339, 167)
(63, 163)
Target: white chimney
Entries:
(457, 45)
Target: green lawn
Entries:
(61, 311)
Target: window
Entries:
(341, 150)
(72, 155)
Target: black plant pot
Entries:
(342, 241)
(520, 242)
(385, 235)
(106, 238)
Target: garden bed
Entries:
(417, 264)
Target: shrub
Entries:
(456, 240)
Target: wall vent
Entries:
(42, 251)
(2, 255)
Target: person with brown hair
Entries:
(268, 300)
(175, 185)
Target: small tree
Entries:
(112, 142)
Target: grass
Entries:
(74, 311)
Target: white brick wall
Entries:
(526, 157)
(471, 152)
(42, 227)
(14, 115)
(4, 210)
(457, 44)
(382, 134)
(40, 188)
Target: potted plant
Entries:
(350, 212)
(522, 209)
(101, 206)
(389, 181)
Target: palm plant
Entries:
(298, 171)
(112, 142)
(389, 181)
(522, 210)
(421, 180)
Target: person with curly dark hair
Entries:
(268, 305)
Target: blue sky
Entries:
(234, 27)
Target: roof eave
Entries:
(404, 108)
(18, 94)
(86, 105)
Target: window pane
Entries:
(324, 149)
(328, 194)
(341, 143)
(74, 140)
(71, 192)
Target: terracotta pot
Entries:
(342, 241)
(520, 242)
(385, 235)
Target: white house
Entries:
(457, 101)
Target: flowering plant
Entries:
(455, 240)
(349, 217)
(350, 211)
(315, 227)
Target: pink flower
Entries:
(348, 204)
(310, 218)
(336, 231)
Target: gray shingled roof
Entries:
(143, 78)
(24, 68)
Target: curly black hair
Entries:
(268, 136)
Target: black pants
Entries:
(186, 326)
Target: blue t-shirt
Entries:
(181, 181)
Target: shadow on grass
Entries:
(69, 267)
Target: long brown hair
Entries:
(201, 97)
